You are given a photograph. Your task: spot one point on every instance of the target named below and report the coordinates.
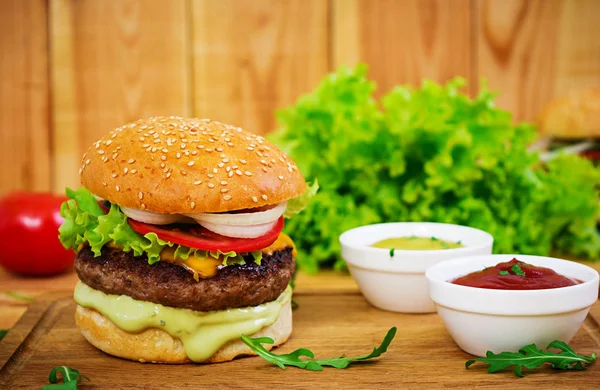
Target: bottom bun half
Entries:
(157, 346)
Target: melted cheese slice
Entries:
(208, 267)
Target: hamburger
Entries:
(571, 124)
(178, 233)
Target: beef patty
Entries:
(121, 273)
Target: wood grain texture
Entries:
(253, 57)
(422, 356)
(113, 62)
(24, 121)
(404, 41)
(534, 50)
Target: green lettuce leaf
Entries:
(296, 205)
(430, 154)
(86, 223)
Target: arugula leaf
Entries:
(16, 295)
(430, 153)
(531, 357)
(295, 358)
(392, 252)
(86, 223)
(3, 333)
(70, 377)
(516, 269)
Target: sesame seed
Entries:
(264, 169)
(230, 174)
(165, 150)
(219, 149)
(221, 165)
(227, 197)
(101, 151)
(153, 149)
(243, 161)
(133, 171)
(114, 175)
(264, 196)
(228, 169)
(290, 169)
(255, 199)
(87, 162)
(142, 139)
(238, 172)
(183, 172)
(140, 195)
(164, 158)
(223, 183)
(182, 146)
(117, 188)
(197, 182)
(108, 142)
(229, 143)
(193, 205)
(143, 206)
(194, 152)
(169, 174)
(200, 146)
(115, 155)
(222, 155)
(190, 163)
(215, 170)
(178, 155)
(263, 161)
(104, 159)
(104, 183)
(125, 170)
(248, 173)
(250, 148)
(208, 150)
(165, 170)
(224, 190)
(225, 160)
(156, 141)
(280, 177)
(131, 160)
(211, 185)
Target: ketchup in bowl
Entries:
(515, 275)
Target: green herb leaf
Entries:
(517, 270)
(504, 273)
(16, 295)
(70, 378)
(295, 358)
(531, 357)
(392, 252)
(3, 333)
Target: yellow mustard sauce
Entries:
(202, 333)
(414, 243)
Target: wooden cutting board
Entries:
(422, 356)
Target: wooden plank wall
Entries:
(73, 69)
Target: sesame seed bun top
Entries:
(186, 165)
(575, 116)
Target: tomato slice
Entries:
(196, 236)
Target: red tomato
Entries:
(195, 236)
(29, 234)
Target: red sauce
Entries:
(509, 276)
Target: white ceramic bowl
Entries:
(398, 283)
(481, 319)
